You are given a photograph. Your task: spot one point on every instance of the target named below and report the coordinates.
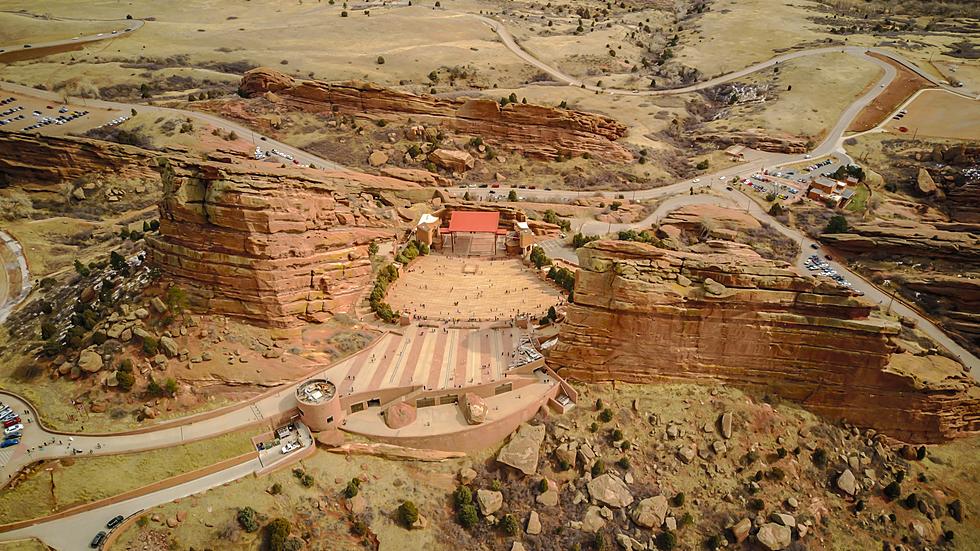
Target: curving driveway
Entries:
(15, 279)
(129, 26)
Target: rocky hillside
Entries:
(535, 130)
(274, 246)
(645, 314)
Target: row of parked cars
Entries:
(113, 122)
(13, 428)
(815, 264)
(64, 117)
(815, 166)
(99, 538)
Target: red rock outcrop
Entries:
(907, 239)
(38, 163)
(536, 130)
(645, 314)
(757, 138)
(274, 246)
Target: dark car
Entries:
(27, 45)
(97, 540)
(828, 257)
(116, 521)
(10, 442)
(814, 246)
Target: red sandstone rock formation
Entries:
(757, 138)
(37, 163)
(644, 314)
(273, 246)
(536, 130)
(907, 238)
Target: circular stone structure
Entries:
(319, 405)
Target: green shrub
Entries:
(666, 541)
(462, 495)
(606, 415)
(248, 519)
(51, 347)
(408, 513)
(624, 463)
(893, 490)
(359, 527)
(594, 427)
(276, 489)
(150, 346)
(48, 330)
(687, 519)
(837, 224)
(703, 165)
(495, 485)
(819, 457)
(307, 480)
(756, 504)
(278, 534)
(509, 525)
(678, 500)
(352, 488)
(467, 516)
(598, 468)
(126, 380)
(616, 435)
(543, 485)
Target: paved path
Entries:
(15, 278)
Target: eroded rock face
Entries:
(774, 329)
(756, 138)
(883, 239)
(274, 246)
(537, 130)
(40, 162)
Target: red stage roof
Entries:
(481, 222)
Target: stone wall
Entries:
(274, 246)
(645, 314)
(536, 130)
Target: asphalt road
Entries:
(12, 294)
(127, 26)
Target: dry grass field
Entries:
(940, 114)
(56, 486)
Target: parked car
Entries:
(10, 442)
(13, 429)
(115, 521)
(289, 447)
(814, 246)
(11, 422)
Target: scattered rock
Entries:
(650, 512)
(593, 520)
(169, 347)
(741, 530)
(726, 425)
(774, 536)
(517, 546)
(467, 475)
(420, 523)
(158, 305)
(686, 453)
(611, 490)
(172, 522)
(521, 452)
(533, 524)
(377, 158)
(783, 519)
(89, 360)
(490, 501)
(847, 483)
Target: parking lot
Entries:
(20, 113)
(283, 441)
(818, 266)
(13, 430)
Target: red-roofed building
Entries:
(476, 232)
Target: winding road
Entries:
(74, 532)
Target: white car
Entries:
(696, 180)
(291, 446)
(723, 178)
(13, 429)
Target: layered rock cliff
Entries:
(908, 239)
(37, 163)
(645, 314)
(536, 130)
(273, 246)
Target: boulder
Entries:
(420, 523)
(567, 452)
(533, 524)
(517, 546)
(925, 183)
(169, 347)
(89, 361)
(611, 490)
(593, 520)
(158, 305)
(377, 158)
(467, 475)
(686, 453)
(521, 452)
(452, 159)
(474, 408)
(847, 483)
(650, 512)
(783, 519)
(489, 501)
(741, 529)
(400, 415)
(725, 422)
(774, 537)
